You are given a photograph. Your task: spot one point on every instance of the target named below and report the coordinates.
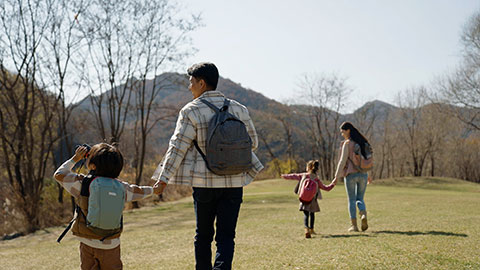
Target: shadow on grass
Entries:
(410, 233)
(344, 235)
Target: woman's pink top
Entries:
(345, 165)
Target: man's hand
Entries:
(79, 154)
(159, 187)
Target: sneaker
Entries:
(363, 218)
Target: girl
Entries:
(355, 181)
(309, 209)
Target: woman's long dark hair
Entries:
(355, 136)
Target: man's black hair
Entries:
(205, 71)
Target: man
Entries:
(215, 196)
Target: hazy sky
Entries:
(382, 46)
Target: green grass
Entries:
(414, 224)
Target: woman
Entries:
(355, 180)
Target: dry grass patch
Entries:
(414, 224)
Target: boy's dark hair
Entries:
(205, 71)
(107, 159)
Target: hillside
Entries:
(275, 122)
(415, 223)
(266, 113)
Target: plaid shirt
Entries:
(183, 164)
(72, 182)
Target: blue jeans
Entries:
(224, 205)
(355, 185)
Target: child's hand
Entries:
(80, 153)
(159, 187)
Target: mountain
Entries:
(174, 92)
(273, 120)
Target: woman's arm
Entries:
(293, 176)
(343, 160)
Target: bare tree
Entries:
(423, 130)
(287, 127)
(410, 103)
(60, 57)
(365, 119)
(275, 162)
(388, 147)
(112, 58)
(161, 40)
(26, 109)
(461, 89)
(326, 95)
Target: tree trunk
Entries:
(432, 172)
(60, 194)
(30, 209)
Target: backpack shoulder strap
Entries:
(84, 191)
(78, 211)
(226, 103)
(86, 185)
(213, 107)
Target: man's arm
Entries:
(180, 141)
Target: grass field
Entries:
(414, 224)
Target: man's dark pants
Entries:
(224, 205)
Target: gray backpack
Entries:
(228, 146)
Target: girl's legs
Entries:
(312, 220)
(305, 222)
(305, 218)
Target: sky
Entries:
(381, 47)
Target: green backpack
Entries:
(105, 206)
(106, 200)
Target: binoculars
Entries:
(86, 146)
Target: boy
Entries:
(104, 160)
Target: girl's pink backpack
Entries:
(307, 190)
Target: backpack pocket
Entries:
(231, 158)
